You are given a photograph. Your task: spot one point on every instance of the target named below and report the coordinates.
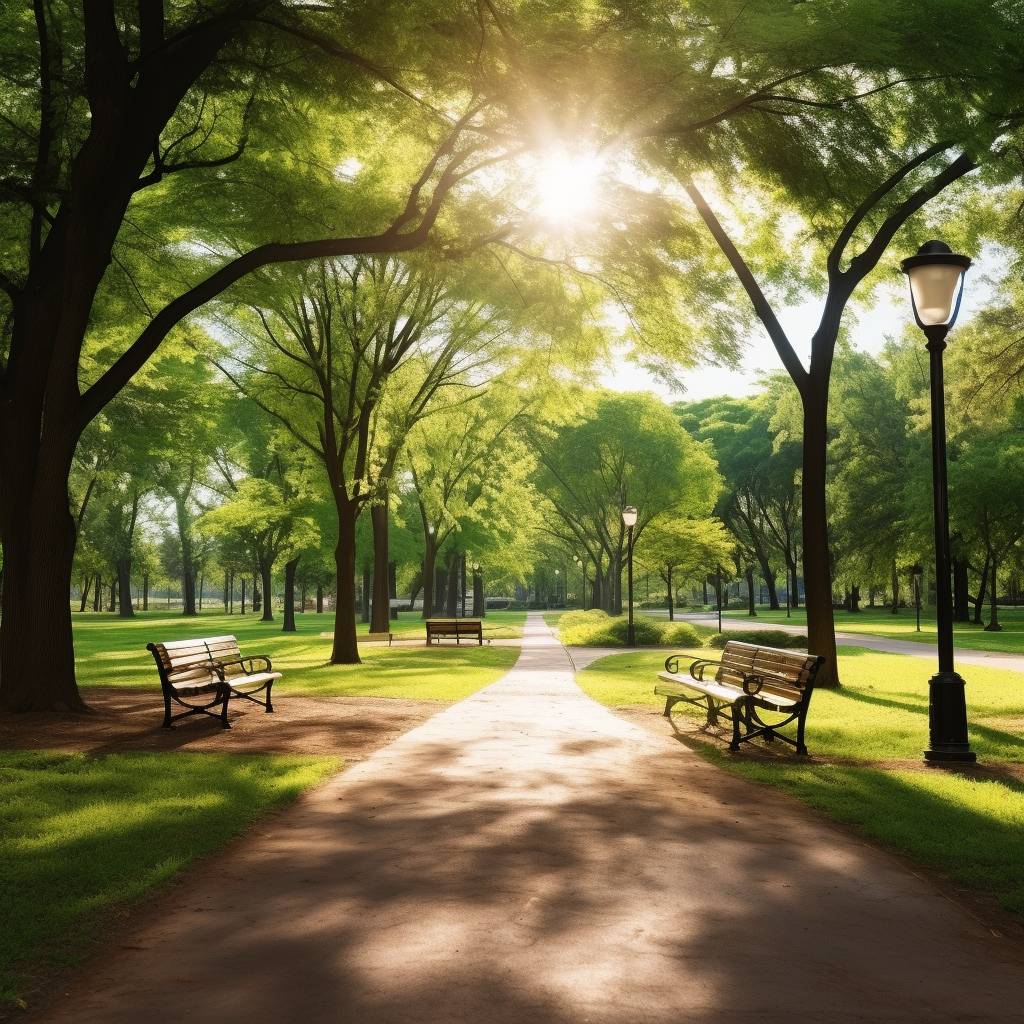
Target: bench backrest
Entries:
(455, 625)
(185, 661)
(786, 673)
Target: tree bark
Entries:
(671, 602)
(97, 597)
(289, 596)
(242, 611)
(124, 588)
(855, 597)
(751, 605)
(895, 584)
(188, 575)
(145, 591)
(113, 593)
(451, 592)
(821, 637)
(961, 598)
(429, 575)
(393, 590)
(979, 601)
(993, 608)
(319, 599)
(479, 604)
(345, 650)
(227, 579)
(86, 585)
(380, 617)
(257, 598)
(267, 583)
(364, 595)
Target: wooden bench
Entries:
(438, 629)
(204, 674)
(747, 681)
(376, 638)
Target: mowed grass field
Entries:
(83, 838)
(111, 651)
(903, 626)
(866, 771)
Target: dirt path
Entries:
(527, 856)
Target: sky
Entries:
(887, 318)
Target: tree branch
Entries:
(762, 307)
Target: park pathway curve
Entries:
(527, 856)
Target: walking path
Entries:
(964, 655)
(526, 856)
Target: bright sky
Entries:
(886, 319)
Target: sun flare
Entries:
(567, 186)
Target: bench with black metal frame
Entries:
(214, 667)
(748, 680)
(455, 629)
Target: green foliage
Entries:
(598, 629)
(681, 634)
(761, 637)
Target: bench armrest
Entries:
(696, 668)
(246, 663)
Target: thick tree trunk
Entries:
(319, 599)
(86, 584)
(257, 597)
(821, 636)
(113, 594)
(771, 586)
(855, 597)
(188, 573)
(37, 657)
(267, 583)
(346, 648)
(751, 604)
(289, 595)
(97, 597)
(429, 576)
(380, 618)
(124, 588)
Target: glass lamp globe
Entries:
(935, 274)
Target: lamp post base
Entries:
(947, 721)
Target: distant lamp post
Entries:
(558, 575)
(936, 276)
(629, 519)
(583, 578)
(917, 572)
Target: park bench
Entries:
(204, 674)
(377, 638)
(747, 681)
(438, 629)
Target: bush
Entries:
(573, 619)
(612, 633)
(761, 637)
(681, 634)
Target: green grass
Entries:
(902, 626)
(969, 828)
(82, 837)
(112, 652)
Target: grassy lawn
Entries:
(81, 837)
(969, 828)
(901, 626)
(112, 652)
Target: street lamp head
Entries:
(558, 572)
(936, 276)
(629, 515)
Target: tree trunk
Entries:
(346, 648)
(393, 590)
(751, 605)
(188, 574)
(821, 636)
(202, 581)
(302, 598)
(97, 597)
(86, 585)
(794, 593)
(124, 588)
(319, 599)
(267, 583)
(145, 591)
(257, 598)
(993, 608)
(462, 578)
(113, 594)
(429, 575)
(289, 596)
(37, 656)
(855, 597)
(242, 612)
(895, 584)
(227, 578)
(364, 595)
(979, 601)
(451, 593)
(771, 586)
(479, 604)
(380, 618)
(961, 598)
(671, 603)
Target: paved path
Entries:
(526, 856)
(964, 655)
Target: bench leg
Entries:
(224, 723)
(668, 707)
(712, 713)
(801, 747)
(737, 717)
(270, 703)
(167, 711)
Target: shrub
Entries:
(593, 616)
(613, 633)
(681, 634)
(761, 637)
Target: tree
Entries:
(107, 131)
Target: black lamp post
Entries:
(936, 276)
(917, 571)
(629, 519)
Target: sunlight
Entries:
(567, 185)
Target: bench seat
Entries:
(747, 680)
(210, 667)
